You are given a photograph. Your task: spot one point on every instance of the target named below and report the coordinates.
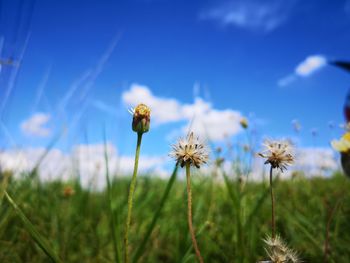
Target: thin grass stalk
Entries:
(189, 213)
(327, 249)
(272, 206)
(240, 237)
(38, 238)
(4, 177)
(254, 211)
(130, 197)
(189, 249)
(165, 196)
(110, 201)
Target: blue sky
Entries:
(79, 60)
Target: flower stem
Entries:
(272, 206)
(189, 213)
(130, 197)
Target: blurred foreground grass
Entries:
(231, 219)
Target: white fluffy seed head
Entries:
(278, 153)
(190, 150)
(279, 252)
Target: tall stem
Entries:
(189, 213)
(272, 206)
(130, 197)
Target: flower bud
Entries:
(141, 118)
(68, 191)
(244, 123)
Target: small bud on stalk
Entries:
(244, 123)
(141, 118)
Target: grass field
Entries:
(230, 218)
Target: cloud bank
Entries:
(201, 116)
(87, 161)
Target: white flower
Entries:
(278, 251)
(190, 150)
(278, 154)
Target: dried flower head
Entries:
(278, 154)
(278, 251)
(68, 191)
(244, 123)
(342, 145)
(190, 150)
(141, 118)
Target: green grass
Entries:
(230, 220)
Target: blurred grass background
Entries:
(231, 219)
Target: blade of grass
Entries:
(185, 258)
(236, 197)
(110, 201)
(141, 248)
(3, 183)
(38, 238)
(257, 207)
(303, 225)
(231, 193)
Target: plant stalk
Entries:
(189, 213)
(272, 206)
(130, 197)
(38, 238)
(156, 216)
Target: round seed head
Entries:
(190, 150)
(278, 154)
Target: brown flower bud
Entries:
(141, 118)
(244, 123)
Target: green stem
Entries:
(130, 197)
(113, 220)
(141, 248)
(38, 238)
(189, 213)
(272, 206)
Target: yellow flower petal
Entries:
(341, 145)
(346, 136)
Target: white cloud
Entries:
(211, 123)
(34, 126)
(163, 110)
(310, 65)
(304, 69)
(316, 161)
(200, 116)
(86, 160)
(251, 14)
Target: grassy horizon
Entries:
(231, 219)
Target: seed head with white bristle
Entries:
(278, 153)
(190, 150)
